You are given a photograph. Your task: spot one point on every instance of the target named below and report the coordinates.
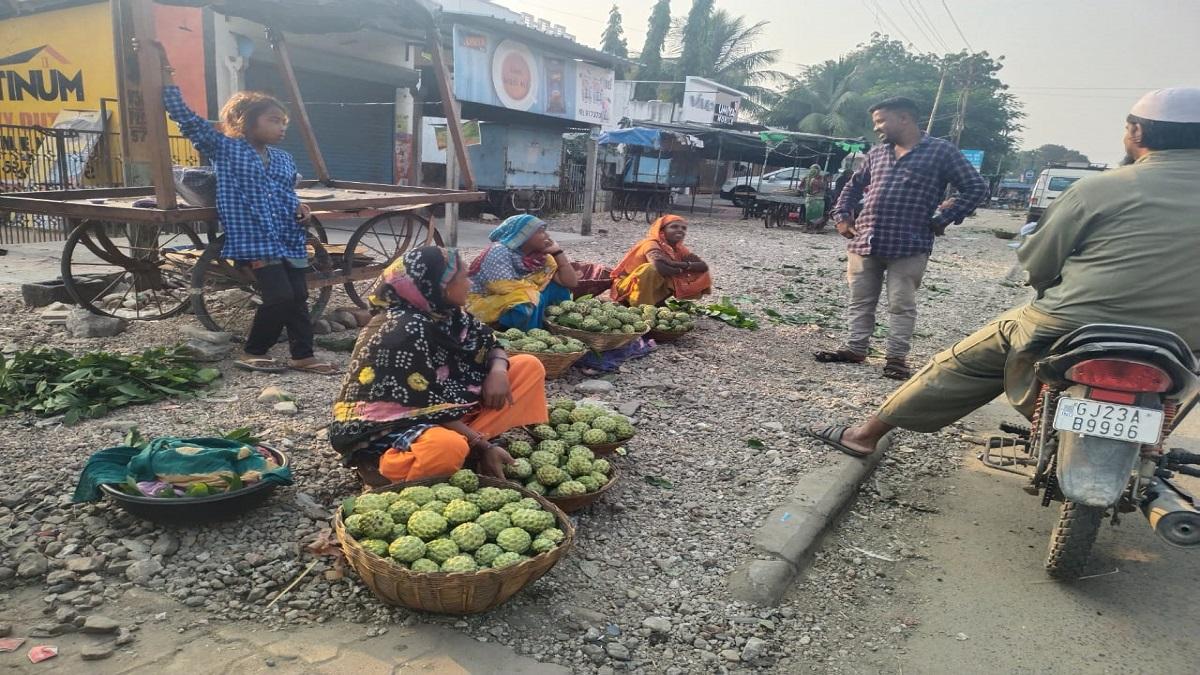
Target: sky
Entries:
(1077, 66)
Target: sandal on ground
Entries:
(896, 369)
(317, 368)
(832, 436)
(839, 356)
(260, 364)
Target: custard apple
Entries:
(556, 447)
(595, 437)
(580, 427)
(570, 438)
(407, 549)
(571, 488)
(487, 553)
(544, 432)
(469, 536)
(398, 530)
(541, 458)
(553, 534)
(584, 414)
(490, 499)
(370, 502)
(582, 451)
(520, 468)
(532, 521)
(529, 503)
(440, 550)
(425, 565)
(465, 480)
(390, 497)
(578, 466)
(402, 509)
(562, 429)
(520, 448)
(535, 487)
(417, 494)
(588, 483)
(563, 404)
(560, 416)
(624, 430)
(493, 522)
(551, 476)
(472, 497)
(510, 495)
(460, 511)
(600, 478)
(354, 526)
(506, 559)
(427, 524)
(508, 508)
(377, 525)
(541, 545)
(377, 547)
(601, 466)
(448, 493)
(605, 423)
(460, 563)
(513, 539)
(435, 505)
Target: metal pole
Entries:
(937, 99)
(451, 184)
(712, 196)
(589, 186)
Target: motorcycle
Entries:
(1109, 397)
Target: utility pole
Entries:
(589, 186)
(937, 99)
(961, 119)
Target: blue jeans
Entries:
(529, 316)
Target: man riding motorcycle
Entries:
(1118, 247)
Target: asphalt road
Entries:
(985, 605)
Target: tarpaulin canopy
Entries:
(326, 16)
(775, 147)
(645, 137)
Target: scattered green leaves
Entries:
(755, 443)
(724, 311)
(50, 382)
(658, 482)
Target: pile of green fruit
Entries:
(583, 425)
(455, 526)
(538, 340)
(554, 469)
(667, 320)
(596, 316)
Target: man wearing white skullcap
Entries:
(1118, 247)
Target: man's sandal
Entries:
(838, 356)
(832, 436)
(897, 369)
(259, 365)
(318, 368)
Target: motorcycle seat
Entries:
(1111, 333)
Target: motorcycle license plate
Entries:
(1109, 420)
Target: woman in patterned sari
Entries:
(660, 266)
(428, 385)
(521, 274)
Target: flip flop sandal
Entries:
(832, 436)
(316, 368)
(897, 370)
(839, 356)
(262, 365)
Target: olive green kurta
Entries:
(1118, 247)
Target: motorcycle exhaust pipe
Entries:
(1172, 516)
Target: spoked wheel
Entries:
(616, 206)
(316, 229)
(224, 298)
(376, 244)
(633, 203)
(144, 268)
(535, 201)
(781, 216)
(655, 207)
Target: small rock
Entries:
(321, 327)
(344, 317)
(123, 426)
(617, 651)
(309, 507)
(488, 217)
(962, 637)
(83, 324)
(60, 577)
(124, 637)
(594, 387)
(98, 623)
(657, 624)
(166, 545)
(211, 337)
(754, 649)
(206, 351)
(805, 640)
(142, 571)
(5, 629)
(731, 655)
(286, 408)
(275, 394)
(95, 652)
(629, 408)
(773, 426)
(31, 565)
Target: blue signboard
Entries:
(975, 157)
(506, 73)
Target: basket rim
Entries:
(563, 520)
(528, 429)
(613, 474)
(540, 355)
(567, 330)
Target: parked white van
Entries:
(1053, 180)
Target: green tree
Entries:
(826, 99)
(613, 41)
(727, 54)
(694, 36)
(1035, 160)
(651, 57)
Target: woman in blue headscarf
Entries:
(522, 273)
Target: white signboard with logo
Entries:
(707, 102)
(594, 94)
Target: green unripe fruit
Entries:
(494, 522)
(520, 448)
(407, 549)
(435, 505)
(571, 488)
(513, 540)
(417, 494)
(487, 553)
(544, 432)
(551, 476)
(354, 526)
(375, 547)
(540, 545)
(491, 499)
(535, 487)
(448, 493)
(469, 536)
(578, 466)
(601, 466)
(553, 534)
(506, 559)
(441, 550)
(425, 566)
(460, 563)
(427, 524)
(402, 509)
(595, 437)
(377, 525)
(399, 530)
(541, 458)
(370, 502)
(560, 416)
(460, 511)
(520, 469)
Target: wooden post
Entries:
(146, 155)
(589, 186)
(284, 62)
(452, 144)
(712, 196)
(450, 106)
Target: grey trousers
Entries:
(867, 276)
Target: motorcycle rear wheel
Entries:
(1072, 539)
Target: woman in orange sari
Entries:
(660, 266)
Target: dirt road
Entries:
(983, 604)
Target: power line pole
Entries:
(937, 99)
(961, 119)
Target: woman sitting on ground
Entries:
(521, 274)
(428, 385)
(660, 266)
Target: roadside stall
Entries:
(160, 256)
(653, 165)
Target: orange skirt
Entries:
(440, 451)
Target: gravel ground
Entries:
(644, 589)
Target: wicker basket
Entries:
(600, 342)
(663, 337)
(457, 592)
(557, 364)
(573, 504)
(592, 287)
(600, 449)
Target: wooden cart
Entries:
(156, 258)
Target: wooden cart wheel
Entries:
(144, 277)
(633, 203)
(376, 244)
(315, 228)
(616, 206)
(224, 298)
(655, 207)
(767, 216)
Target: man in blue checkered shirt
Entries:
(903, 182)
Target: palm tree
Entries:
(827, 99)
(728, 56)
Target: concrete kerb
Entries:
(793, 532)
